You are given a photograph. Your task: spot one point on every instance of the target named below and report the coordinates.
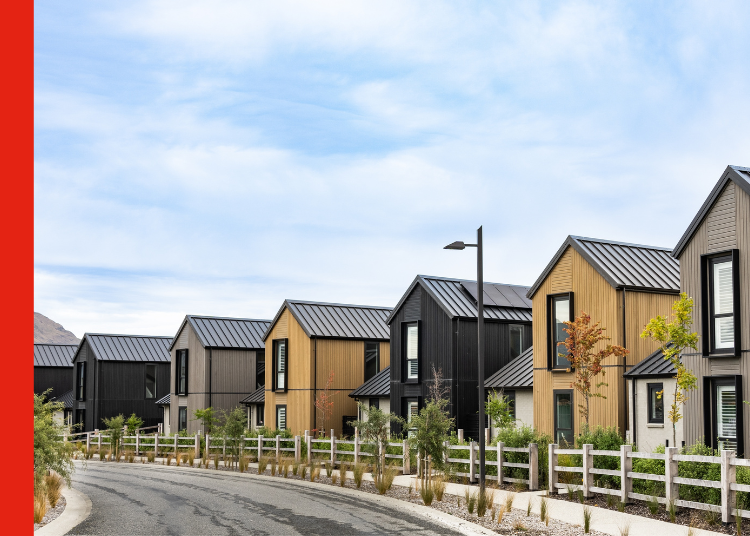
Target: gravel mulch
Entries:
(52, 513)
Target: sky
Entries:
(219, 157)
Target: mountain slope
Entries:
(50, 332)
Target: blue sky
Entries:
(218, 157)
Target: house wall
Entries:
(727, 226)
(59, 379)
(165, 420)
(85, 355)
(525, 407)
(594, 295)
(122, 390)
(649, 435)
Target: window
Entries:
(563, 417)
(150, 381)
(516, 340)
(726, 416)
(721, 303)
(655, 403)
(81, 381)
(81, 420)
(412, 352)
(260, 369)
(181, 378)
(560, 311)
(511, 396)
(260, 410)
(281, 417)
(375, 403)
(280, 365)
(182, 419)
(372, 359)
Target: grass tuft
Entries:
(216, 461)
(672, 511)
(543, 509)
(711, 517)
(359, 472)
(509, 498)
(191, 458)
(426, 492)
(518, 525)
(262, 464)
(620, 506)
(40, 506)
(343, 468)
(438, 487)
(625, 529)
(653, 505)
(471, 502)
(53, 486)
(587, 512)
(150, 456)
(315, 473)
(272, 463)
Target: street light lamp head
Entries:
(456, 245)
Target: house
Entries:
(256, 408)
(375, 392)
(119, 374)
(53, 368)
(216, 362)
(320, 352)
(434, 326)
(163, 403)
(515, 381)
(66, 415)
(650, 395)
(621, 285)
(714, 255)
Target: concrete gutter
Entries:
(77, 509)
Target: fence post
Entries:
(137, 443)
(500, 446)
(207, 451)
(472, 461)
(224, 450)
(533, 466)
(197, 446)
(278, 446)
(487, 436)
(309, 449)
(88, 441)
(260, 447)
(728, 477)
(588, 476)
(670, 471)
(156, 445)
(626, 466)
(552, 473)
(447, 451)
(460, 435)
(297, 449)
(176, 437)
(356, 446)
(100, 445)
(406, 466)
(333, 449)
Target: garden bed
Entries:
(52, 513)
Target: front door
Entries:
(563, 400)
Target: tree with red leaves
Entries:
(585, 360)
(324, 403)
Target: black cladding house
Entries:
(435, 325)
(119, 374)
(53, 368)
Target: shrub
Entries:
(602, 439)
(523, 436)
(114, 427)
(53, 487)
(51, 453)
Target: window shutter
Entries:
(726, 416)
(723, 304)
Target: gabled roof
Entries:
(127, 347)
(336, 320)
(517, 374)
(457, 297)
(54, 355)
(653, 366)
(737, 174)
(377, 386)
(66, 398)
(163, 401)
(221, 332)
(256, 397)
(622, 265)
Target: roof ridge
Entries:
(332, 304)
(230, 318)
(602, 240)
(456, 279)
(125, 335)
(53, 344)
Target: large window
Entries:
(725, 398)
(281, 417)
(372, 359)
(374, 403)
(560, 309)
(516, 340)
(280, 365)
(182, 419)
(721, 303)
(563, 417)
(655, 403)
(80, 381)
(150, 381)
(181, 377)
(412, 351)
(260, 369)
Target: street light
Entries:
(480, 343)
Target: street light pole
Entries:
(480, 346)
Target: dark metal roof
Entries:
(740, 176)
(377, 386)
(336, 320)
(163, 401)
(653, 366)
(623, 265)
(256, 397)
(457, 297)
(221, 332)
(66, 398)
(128, 347)
(519, 373)
(54, 355)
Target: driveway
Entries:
(136, 499)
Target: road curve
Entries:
(135, 499)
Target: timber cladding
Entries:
(310, 362)
(624, 314)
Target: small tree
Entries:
(206, 417)
(376, 428)
(51, 451)
(582, 340)
(324, 403)
(114, 426)
(674, 338)
(233, 430)
(499, 410)
(430, 429)
(133, 423)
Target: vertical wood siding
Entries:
(721, 221)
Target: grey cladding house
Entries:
(53, 368)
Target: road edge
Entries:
(77, 509)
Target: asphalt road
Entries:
(137, 499)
